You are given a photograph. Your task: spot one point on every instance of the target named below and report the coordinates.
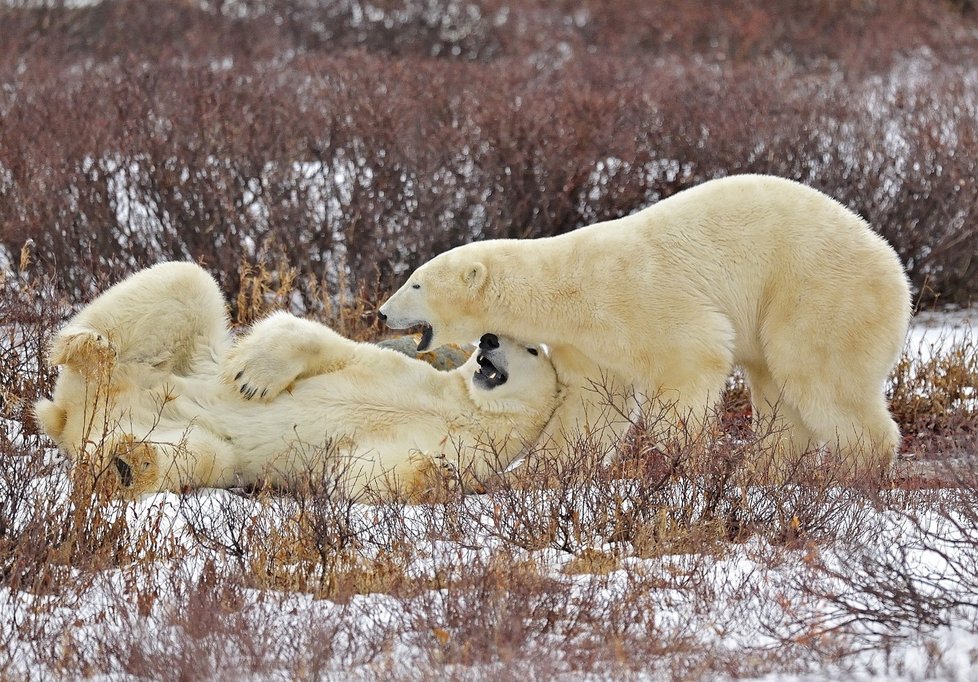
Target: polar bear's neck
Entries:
(537, 291)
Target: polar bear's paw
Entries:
(85, 350)
(432, 481)
(132, 467)
(260, 372)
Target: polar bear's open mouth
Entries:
(426, 333)
(489, 376)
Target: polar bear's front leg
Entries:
(282, 349)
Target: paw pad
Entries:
(134, 464)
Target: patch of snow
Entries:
(934, 331)
(760, 591)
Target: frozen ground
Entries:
(835, 610)
(932, 331)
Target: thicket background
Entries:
(354, 140)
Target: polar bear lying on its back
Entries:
(147, 393)
(750, 270)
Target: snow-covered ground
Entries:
(932, 331)
(882, 589)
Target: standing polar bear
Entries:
(749, 270)
(153, 392)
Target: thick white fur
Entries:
(150, 378)
(749, 270)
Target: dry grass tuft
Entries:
(935, 400)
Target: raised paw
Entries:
(260, 373)
(84, 350)
(432, 480)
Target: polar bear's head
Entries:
(504, 374)
(446, 296)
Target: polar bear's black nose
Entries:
(489, 342)
(383, 318)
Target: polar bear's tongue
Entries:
(426, 335)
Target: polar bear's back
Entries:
(773, 228)
(743, 230)
(753, 248)
(751, 219)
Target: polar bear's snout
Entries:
(492, 363)
(489, 375)
(395, 316)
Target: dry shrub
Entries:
(896, 576)
(503, 615)
(557, 592)
(563, 567)
(864, 35)
(689, 494)
(221, 137)
(30, 311)
(317, 550)
(933, 398)
(264, 287)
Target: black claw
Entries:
(238, 375)
(263, 393)
(244, 387)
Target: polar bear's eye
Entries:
(532, 351)
(415, 286)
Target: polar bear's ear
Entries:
(474, 275)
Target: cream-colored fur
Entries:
(755, 271)
(153, 392)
